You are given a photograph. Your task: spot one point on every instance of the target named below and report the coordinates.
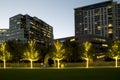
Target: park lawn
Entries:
(61, 74)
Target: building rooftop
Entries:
(94, 4)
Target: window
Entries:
(80, 23)
(85, 28)
(109, 25)
(104, 45)
(72, 40)
(18, 22)
(110, 31)
(109, 6)
(62, 41)
(99, 27)
(95, 22)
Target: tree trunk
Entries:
(116, 62)
(58, 63)
(4, 63)
(31, 64)
(87, 62)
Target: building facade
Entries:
(4, 35)
(25, 27)
(98, 20)
(118, 21)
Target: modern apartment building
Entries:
(25, 27)
(97, 21)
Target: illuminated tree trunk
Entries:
(116, 62)
(58, 63)
(31, 64)
(87, 62)
(4, 63)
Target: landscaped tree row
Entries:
(15, 51)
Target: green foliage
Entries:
(16, 49)
(58, 52)
(71, 53)
(42, 50)
(114, 50)
(31, 53)
(88, 50)
(4, 54)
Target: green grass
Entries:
(61, 74)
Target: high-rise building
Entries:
(98, 21)
(25, 27)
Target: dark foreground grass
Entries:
(61, 74)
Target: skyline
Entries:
(61, 18)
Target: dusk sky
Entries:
(57, 13)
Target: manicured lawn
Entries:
(61, 74)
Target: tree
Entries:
(16, 49)
(88, 52)
(71, 52)
(114, 52)
(58, 52)
(31, 54)
(4, 54)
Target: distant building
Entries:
(97, 20)
(66, 39)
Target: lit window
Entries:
(104, 45)
(95, 22)
(32, 23)
(110, 31)
(103, 40)
(99, 39)
(109, 25)
(99, 27)
(80, 23)
(72, 40)
(85, 28)
(18, 22)
(109, 6)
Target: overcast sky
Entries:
(57, 13)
